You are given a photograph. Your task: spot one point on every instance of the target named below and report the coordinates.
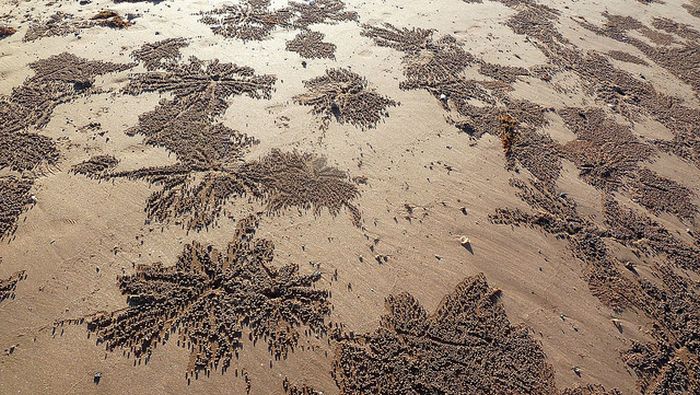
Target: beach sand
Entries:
(372, 196)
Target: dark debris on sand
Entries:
(6, 31)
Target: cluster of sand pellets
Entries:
(299, 180)
(15, 198)
(345, 96)
(662, 195)
(467, 345)
(298, 389)
(62, 24)
(8, 286)
(626, 57)
(209, 298)
(211, 169)
(676, 47)
(320, 11)
(640, 232)
(557, 214)
(95, 167)
(256, 20)
(621, 91)
(590, 389)
(438, 65)
(604, 151)
(161, 54)
(609, 157)
(693, 7)
(58, 79)
(207, 151)
(310, 45)
(671, 363)
(204, 81)
(248, 20)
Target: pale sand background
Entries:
(78, 222)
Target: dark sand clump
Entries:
(670, 364)
(310, 45)
(301, 180)
(467, 345)
(209, 298)
(298, 389)
(7, 286)
(660, 194)
(345, 96)
(320, 11)
(626, 57)
(604, 151)
(160, 54)
(679, 57)
(96, 166)
(249, 20)
(557, 214)
(637, 231)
